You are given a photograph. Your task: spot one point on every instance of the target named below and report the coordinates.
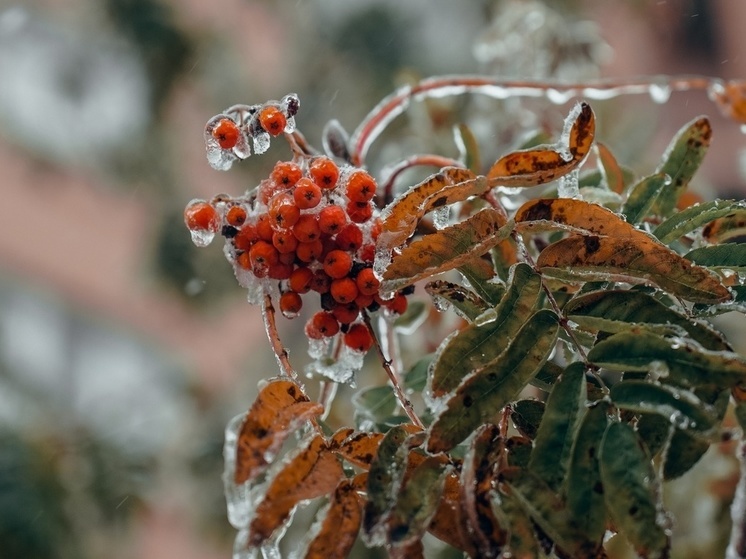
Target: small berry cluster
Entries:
(227, 135)
(310, 227)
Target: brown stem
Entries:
(398, 392)
(390, 173)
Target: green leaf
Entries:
(519, 451)
(688, 363)
(629, 490)
(481, 275)
(681, 407)
(681, 160)
(682, 453)
(583, 487)
(695, 216)
(416, 502)
(481, 396)
(480, 342)
(469, 147)
(618, 310)
(731, 227)
(526, 416)
(522, 540)
(446, 294)
(564, 409)
(416, 377)
(375, 403)
(445, 250)
(642, 197)
(731, 255)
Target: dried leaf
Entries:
(642, 197)
(340, 525)
(730, 97)
(638, 259)
(629, 490)
(479, 343)
(730, 228)
(449, 522)
(544, 164)
(466, 304)
(358, 448)
(445, 250)
(279, 409)
(311, 472)
(451, 184)
(612, 172)
(481, 396)
(706, 213)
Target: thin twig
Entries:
(404, 402)
(390, 173)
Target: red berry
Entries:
(226, 133)
(244, 261)
(364, 301)
(350, 237)
(263, 255)
(398, 304)
(300, 280)
(272, 120)
(324, 172)
(290, 303)
(309, 252)
(286, 174)
(245, 237)
(359, 212)
(264, 228)
(367, 282)
(321, 325)
(321, 282)
(344, 290)
(280, 271)
(201, 216)
(284, 242)
(359, 338)
(235, 216)
(306, 194)
(347, 313)
(331, 219)
(307, 228)
(361, 187)
(337, 264)
(367, 253)
(283, 211)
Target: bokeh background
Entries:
(124, 350)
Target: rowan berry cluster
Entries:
(310, 228)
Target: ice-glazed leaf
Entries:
(468, 146)
(682, 453)
(481, 396)
(340, 525)
(416, 378)
(481, 276)
(731, 256)
(359, 448)
(681, 160)
(445, 250)
(374, 403)
(629, 490)
(706, 213)
(449, 523)
(279, 409)
(731, 227)
(541, 165)
(730, 97)
(643, 260)
(549, 511)
(612, 172)
(526, 416)
(478, 475)
(481, 342)
(336, 140)
(559, 426)
(451, 184)
(522, 541)
(583, 487)
(686, 363)
(462, 300)
(416, 502)
(681, 407)
(618, 310)
(311, 472)
(642, 197)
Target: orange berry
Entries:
(236, 216)
(309, 252)
(244, 260)
(367, 253)
(367, 282)
(361, 187)
(307, 228)
(280, 271)
(201, 216)
(284, 241)
(264, 228)
(346, 313)
(321, 325)
(286, 174)
(320, 282)
(359, 338)
(287, 257)
(245, 237)
(324, 172)
(272, 120)
(283, 211)
(343, 290)
(364, 301)
(398, 304)
(350, 237)
(263, 255)
(359, 212)
(337, 264)
(331, 219)
(376, 228)
(226, 133)
(306, 194)
(290, 304)
(300, 280)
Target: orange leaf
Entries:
(537, 166)
(637, 259)
(278, 410)
(731, 99)
(356, 447)
(611, 170)
(577, 214)
(451, 184)
(449, 523)
(340, 526)
(311, 472)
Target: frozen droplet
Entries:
(490, 315)
(381, 262)
(318, 348)
(242, 149)
(563, 146)
(658, 369)
(237, 497)
(201, 237)
(289, 125)
(567, 187)
(441, 217)
(441, 304)
(660, 92)
(559, 97)
(219, 159)
(290, 104)
(261, 142)
(678, 420)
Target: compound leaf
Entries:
(340, 526)
(731, 256)
(706, 213)
(462, 300)
(642, 197)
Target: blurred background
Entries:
(124, 350)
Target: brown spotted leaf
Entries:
(451, 184)
(731, 99)
(313, 471)
(277, 412)
(541, 165)
(340, 525)
(358, 448)
(450, 523)
(445, 250)
(636, 260)
(465, 302)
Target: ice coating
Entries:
(202, 237)
(567, 186)
(237, 497)
(261, 142)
